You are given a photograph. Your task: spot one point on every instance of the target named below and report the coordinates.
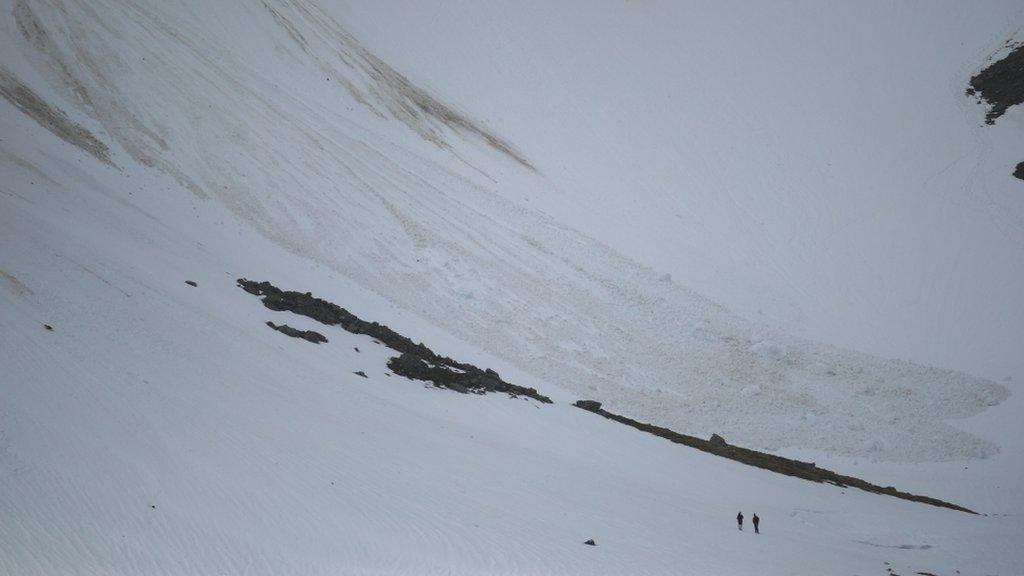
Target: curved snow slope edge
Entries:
(816, 165)
(276, 111)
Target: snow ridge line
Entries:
(778, 464)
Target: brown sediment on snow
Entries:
(377, 85)
(787, 466)
(50, 117)
(16, 286)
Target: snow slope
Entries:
(264, 140)
(815, 164)
(163, 429)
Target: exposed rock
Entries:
(360, 373)
(410, 366)
(333, 315)
(462, 379)
(308, 335)
(416, 361)
(591, 405)
(590, 543)
(1001, 85)
(796, 468)
(191, 283)
(1019, 172)
(717, 440)
(47, 326)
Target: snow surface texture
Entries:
(814, 164)
(162, 428)
(174, 94)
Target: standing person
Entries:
(756, 522)
(739, 520)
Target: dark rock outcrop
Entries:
(590, 405)
(415, 360)
(590, 543)
(473, 380)
(331, 314)
(191, 283)
(805, 470)
(308, 335)
(717, 440)
(1001, 85)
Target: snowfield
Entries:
(161, 428)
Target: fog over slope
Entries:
(729, 220)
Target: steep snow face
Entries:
(276, 111)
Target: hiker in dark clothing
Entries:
(756, 522)
(739, 520)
